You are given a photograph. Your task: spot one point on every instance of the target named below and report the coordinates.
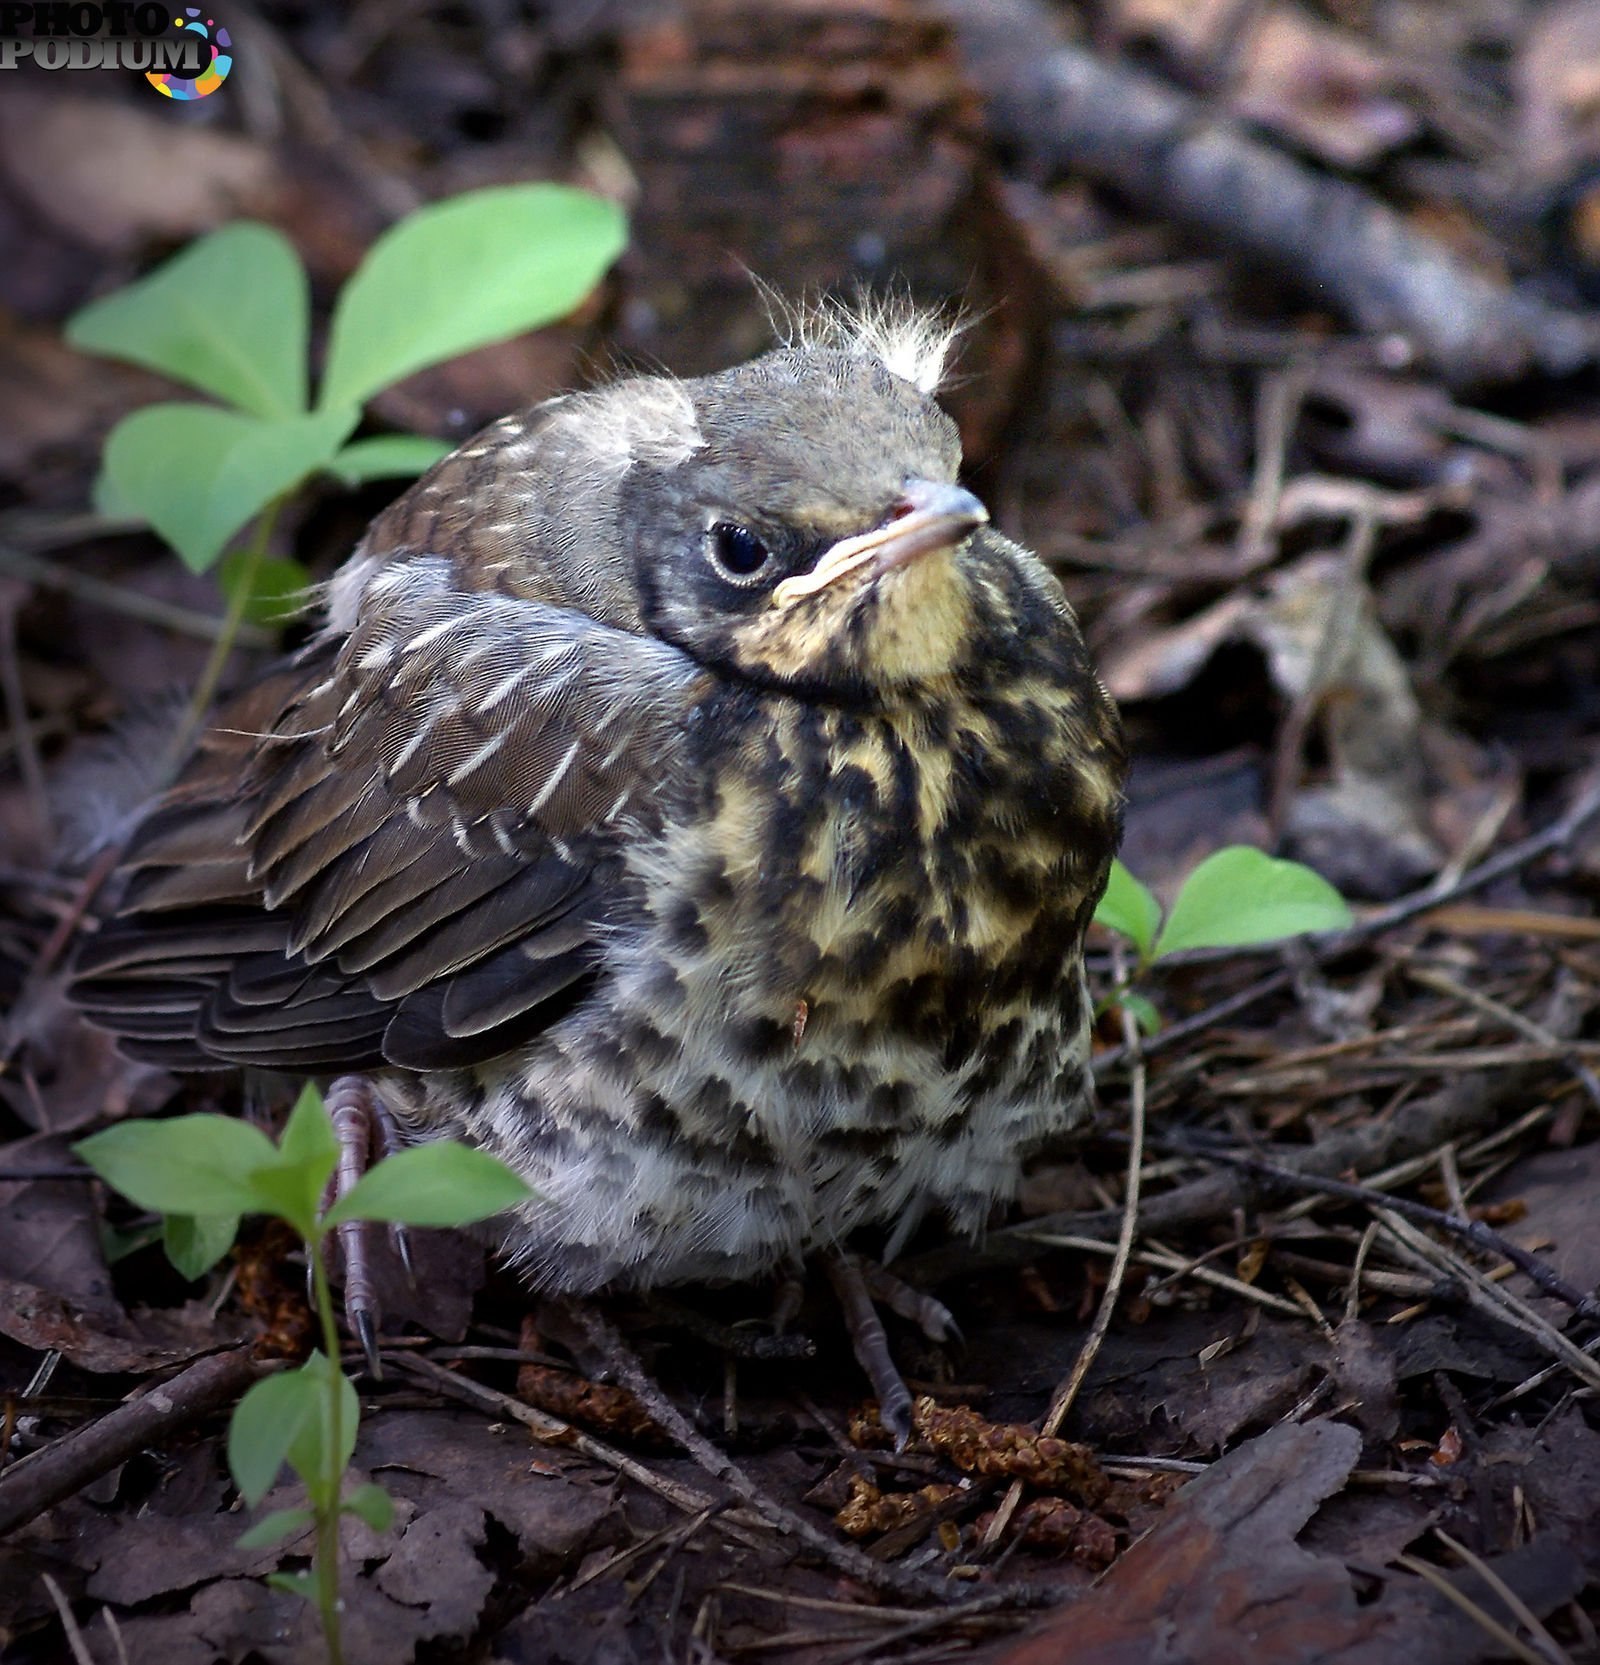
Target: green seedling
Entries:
(1235, 898)
(201, 1174)
(230, 315)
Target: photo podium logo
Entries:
(190, 63)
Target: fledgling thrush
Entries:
(689, 798)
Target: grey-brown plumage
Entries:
(688, 798)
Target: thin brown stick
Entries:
(66, 927)
(1062, 1400)
(1329, 658)
(1329, 944)
(1069, 108)
(1484, 1293)
(16, 710)
(1229, 1006)
(1467, 918)
(1537, 1380)
(114, 1631)
(1509, 860)
(1543, 1641)
(672, 1536)
(1065, 1395)
(860, 1651)
(56, 1471)
(97, 592)
(1475, 1232)
(1276, 420)
(844, 1558)
(1431, 977)
(1491, 1626)
(551, 1430)
(1178, 1267)
(1466, 1107)
(1352, 1299)
(76, 1645)
(883, 1615)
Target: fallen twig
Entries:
(75, 1639)
(56, 1471)
(1475, 1232)
(1070, 108)
(551, 1430)
(133, 604)
(1329, 944)
(1177, 1267)
(1438, 895)
(1491, 1626)
(1544, 1643)
(846, 1558)
(1509, 860)
(1061, 1401)
(1431, 977)
(1229, 1006)
(1484, 1293)
(1467, 1106)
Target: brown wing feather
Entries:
(397, 847)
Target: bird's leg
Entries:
(871, 1345)
(563, 1320)
(361, 1125)
(787, 1298)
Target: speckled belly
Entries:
(837, 997)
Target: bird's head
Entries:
(794, 521)
(811, 533)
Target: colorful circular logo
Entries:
(176, 86)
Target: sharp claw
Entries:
(367, 1334)
(936, 1323)
(359, 1123)
(872, 1347)
(930, 1315)
(401, 1240)
(894, 1412)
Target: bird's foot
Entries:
(858, 1283)
(366, 1133)
(933, 1318)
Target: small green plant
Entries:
(202, 1173)
(230, 315)
(1235, 897)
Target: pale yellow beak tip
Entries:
(930, 515)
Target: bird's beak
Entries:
(930, 515)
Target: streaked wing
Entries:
(398, 848)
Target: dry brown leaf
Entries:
(1221, 1581)
(1367, 827)
(99, 1337)
(1192, 34)
(1324, 88)
(116, 176)
(1558, 90)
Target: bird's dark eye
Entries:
(736, 550)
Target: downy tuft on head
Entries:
(909, 341)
